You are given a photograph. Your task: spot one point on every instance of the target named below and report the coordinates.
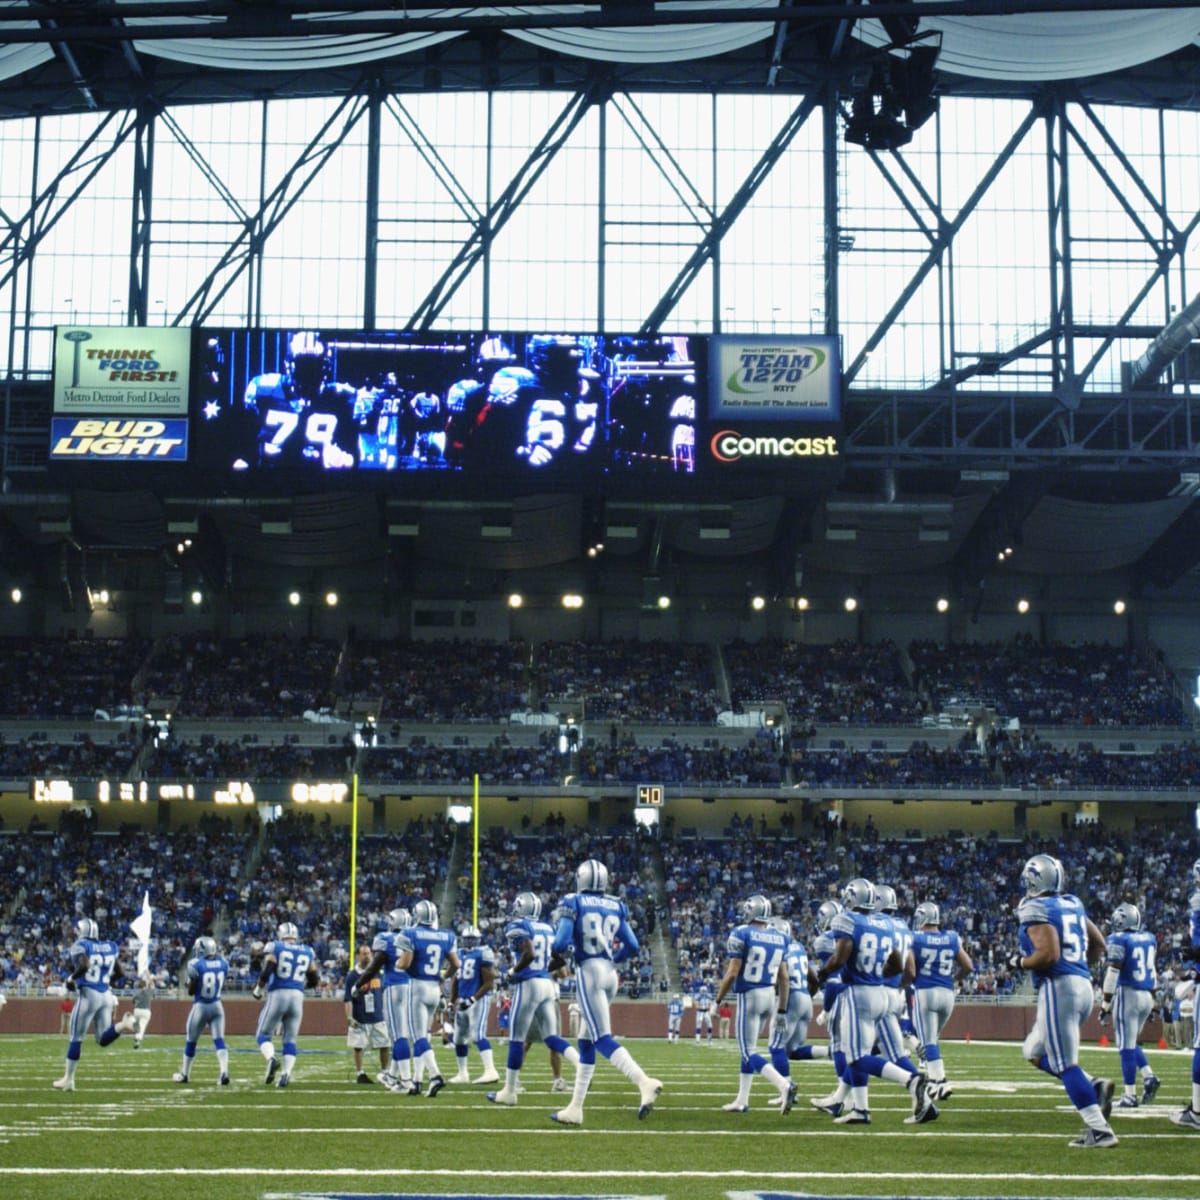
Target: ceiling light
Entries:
(515, 600)
(572, 600)
(293, 598)
(1022, 606)
(850, 603)
(943, 605)
(1119, 607)
(331, 598)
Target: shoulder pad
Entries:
(842, 923)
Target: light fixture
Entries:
(16, 595)
(294, 599)
(1119, 607)
(331, 599)
(515, 600)
(850, 604)
(197, 598)
(1022, 606)
(758, 603)
(664, 602)
(943, 605)
(802, 604)
(572, 600)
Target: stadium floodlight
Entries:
(943, 605)
(1022, 606)
(572, 600)
(1119, 607)
(197, 598)
(16, 595)
(331, 599)
(294, 599)
(515, 600)
(850, 604)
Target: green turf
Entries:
(1004, 1133)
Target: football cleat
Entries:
(363, 1077)
(435, 1085)
(127, 1024)
(918, 1088)
(503, 1096)
(388, 1080)
(272, 1070)
(559, 1085)
(1127, 1101)
(461, 1077)
(944, 1090)
(223, 1081)
(1094, 1139)
(568, 1116)
(927, 1114)
(1150, 1086)
(68, 1085)
(1188, 1117)
(787, 1099)
(1104, 1095)
(488, 1077)
(649, 1093)
(180, 1077)
(855, 1116)
(284, 1080)
(735, 1106)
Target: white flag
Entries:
(141, 928)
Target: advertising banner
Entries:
(118, 439)
(772, 378)
(105, 371)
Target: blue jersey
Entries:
(101, 956)
(430, 949)
(292, 961)
(1066, 914)
(675, 1009)
(386, 944)
(761, 950)
(903, 943)
(367, 1007)
(470, 969)
(874, 938)
(1133, 953)
(797, 967)
(935, 951)
(704, 999)
(209, 974)
(590, 923)
(1194, 916)
(540, 937)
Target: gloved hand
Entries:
(256, 992)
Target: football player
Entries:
(674, 1017)
(427, 953)
(1130, 978)
(384, 954)
(891, 1037)
(589, 923)
(866, 953)
(288, 967)
(470, 1002)
(534, 1011)
(704, 1011)
(205, 974)
(789, 1034)
(1189, 1118)
(758, 976)
(823, 948)
(1059, 945)
(940, 962)
(93, 964)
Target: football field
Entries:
(129, 1132)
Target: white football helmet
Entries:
(399, 918)
(1126, 917)
(783, 925)
(885, 898)
(825, 914)
(425, 912)
(287, 932)
(206, 947)
(592, 876)
(85, 927)
(859, 895)
(527, 906)
(1043, 875)
(755, 908)
(927, 913)
(471, 935)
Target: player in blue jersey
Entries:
(1059, 945)
(385, 952)
(940, 961)
(365, 1025)
(789, 1030)
(866, 953)
(205, 975)
(1128, 996)
(1189, 1118)
(288, 967)
(534, 1010)
(595, 928)
(890, 1032)
(428, 954)
(757, 975)
(471, 995)
(674, 1017)
(93, 964)
(823, 948)
(704, 1011)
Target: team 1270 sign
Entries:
(775, 379)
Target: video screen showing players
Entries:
(527, 406)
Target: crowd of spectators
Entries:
(68, 678)
(1032, 763)
(37, 757)
(501, 761)
(253, 756)
(755, 762)
(919, 766)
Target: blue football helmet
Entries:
(592, 876)
(85, 927)
(206, 947)
(859, 895)
(885, 898)
(425, 912)
(527, 906)
(755, 908)
(1126, 918)
(399, 918)
(1043, 875)
(825, 914)
(287, 932)
(471, 935)
(927, 913)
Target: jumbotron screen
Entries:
(285, 408)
